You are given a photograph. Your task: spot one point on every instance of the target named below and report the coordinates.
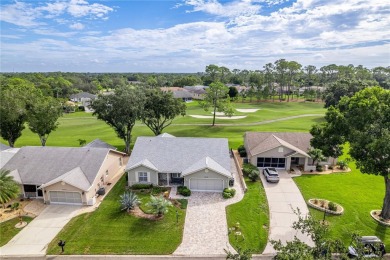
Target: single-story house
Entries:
(64, 175)
(280, 150)
(198, 91)
(201, 164)
(83, 97)
(181, 93)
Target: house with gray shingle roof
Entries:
(280, 150)
(97, 143)
(201, 164)
(64, 175)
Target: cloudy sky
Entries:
(187, 35)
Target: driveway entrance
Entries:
(282, 198)
(34, 238)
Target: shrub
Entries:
(316, 201)
(158, 190)
(141, 186)
(254, 175)
(322, 203)
(228, 193)
(332, 206)
(183, 203)
(342, 164)
(129, 201)
(15, 206)
(248, 168)
(159, 205)
(241, 150)
(183, 190)
(319, 168)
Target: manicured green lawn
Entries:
(82, 125)
(8, 229)
(111, 231)
(253, 217)
(358, 193)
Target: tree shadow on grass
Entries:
(380, 231)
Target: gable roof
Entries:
(83, 95)
(166, 135)
(75, 177)
(97, 143)
(206, 163)
(175, 155)
(6, 155)
(260, 142)
(39, 165)
(144, 162)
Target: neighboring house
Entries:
(198, 91)
(181, 93)
(84, 97)
(318, 89)
(201, 164)
(280, 150)
(97, 143)
(64, 175)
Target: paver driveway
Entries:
(282, 198)
(33, 239)
(205, 229)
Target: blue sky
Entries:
(187, 35)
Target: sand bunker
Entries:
(247, 110)
(218, 113)
(218, 117)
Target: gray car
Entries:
(271, 175)
(366, 247)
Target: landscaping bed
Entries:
(326, 205)
(375, 215)
(108, 230)
(248, 220)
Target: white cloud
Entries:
(77, 26)
(232, 9)
(19, 13)
(80, 8)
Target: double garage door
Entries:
(212, 185)
(64, 197)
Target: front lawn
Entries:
(8, 229)
(358, 193)
(253, 217)
(111, 231)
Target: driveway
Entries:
(205, 228)
(34, 238)
(282, 198)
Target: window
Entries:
(142, 177)
(120, 161)
(106, 173)
(271, 162)
(280, 149)
(175, 175)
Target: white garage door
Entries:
(206, 185)
(62, 197)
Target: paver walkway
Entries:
(282, 198)
(205, 228)
(34, 238)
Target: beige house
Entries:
(280, 150)
(201, 164)
(64, 175)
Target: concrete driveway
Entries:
(34, 238)
(282, 198)
(205, 228)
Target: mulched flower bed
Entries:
(323, 205)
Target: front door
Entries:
(39, 193)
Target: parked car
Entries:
(271, 175)
(366, 247)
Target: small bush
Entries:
(228, 193)
(332, 206)
(322, 203)
(141, 186)
(254, 175)
(248, 168)
(319, 168)
(129, 201)
(15, 206)
(342, 164)
(158, 190)
(316, 201)
(183, 190)
(183, 203)
(241, 150)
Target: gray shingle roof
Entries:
(39, 165)
(259, 142)
(75, 177)
(6, 155)
(83, 95)
(206, 163)
(182, 94)
(174, 155)
(97, 143)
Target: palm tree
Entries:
(9, 189)
(316, 155)
(159, 205)
(129, 201)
